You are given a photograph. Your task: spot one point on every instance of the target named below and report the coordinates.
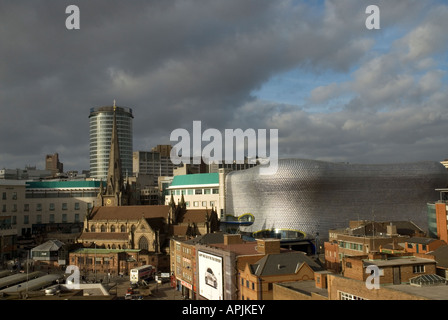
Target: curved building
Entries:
(101, 124)
(305, 198)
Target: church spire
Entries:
(114, 175)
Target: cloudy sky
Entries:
(334, 89)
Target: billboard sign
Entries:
(210, 276)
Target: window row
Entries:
(39, 207)
(351, 245)
(51, 219)
(13, 196)
(203, 204)
(190, 192)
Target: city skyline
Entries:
(335, 90)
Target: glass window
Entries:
(51, 206)
(190, 191)
(26, 219)
(76, 205)
(51, 218)
(39, 207)
(198, 191)
(196, 203)
(215, 191)
(207, 191)
(64, 206)
(64, 217)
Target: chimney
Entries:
(392, 230)
(268, 246)
(232, 239)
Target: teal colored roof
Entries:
(195, 179)
(62, 184)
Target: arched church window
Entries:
(143, 243)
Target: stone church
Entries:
(117, 222)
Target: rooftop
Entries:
(306, 287)
(283, 263)
(395, 261)
(67, 184)
(129, 212)
(187, 180)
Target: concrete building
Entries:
(8, 240)
(200, 191)
(152, 163)
(101, 123)
(52, 164)
(55, 206)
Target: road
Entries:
(155, 291)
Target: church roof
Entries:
(129, 212)
(196, 216)
(90, 236)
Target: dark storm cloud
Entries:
(178, 61)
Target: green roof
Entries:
(195, 179)
(62, 184)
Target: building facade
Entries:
(305, 198)
(200, 191)
(53, 164)
(101, 127)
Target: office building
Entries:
(199, 191)
(52, 164)
(101, 127)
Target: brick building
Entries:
(394, 269)
(401, 277)
(96, 263)
(363, 237)
(256, 280)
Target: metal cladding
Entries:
(308, 197)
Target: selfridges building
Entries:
(307, 198)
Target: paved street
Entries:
(155, 291)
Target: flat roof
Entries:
(190, 180)
(306, 287)
(398, 261)
(68, 184)
(434, 292)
